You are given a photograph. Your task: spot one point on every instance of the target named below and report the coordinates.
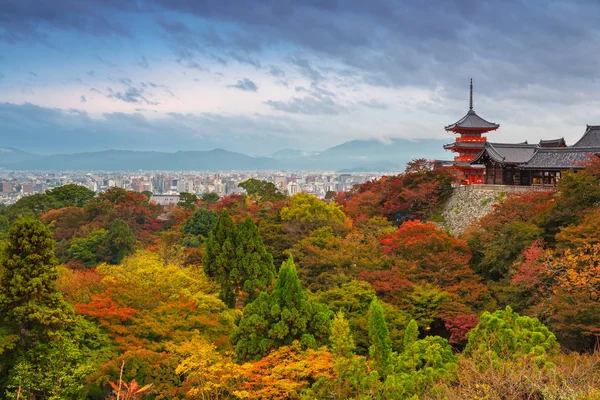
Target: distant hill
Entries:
(125, 160)
(353, 156)
(12, 155)
(369, 155)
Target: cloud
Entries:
(33, 74)
(246, 85)
(91, 74)
(51, 130)
(307, 106)
(2, 76)
(374, 104)
(131, 95)
(276, 71)
(83, 99)
(106, 62)
(306, 68)
(142, 62)
(28, 20)
(172, 26)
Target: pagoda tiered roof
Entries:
(472, 121)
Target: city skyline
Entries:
(157, 75)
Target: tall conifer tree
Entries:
(237, 259)
(381, 345)
(254, 261)
(220, 260)
(38, 352)
(278, 318)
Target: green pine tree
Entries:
(342, 342)
(40, 351)
(422, 364)
(278, 318)
(254, 261)
(220, 260)
(508, 335)
(381, 345)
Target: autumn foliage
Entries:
(362, 295)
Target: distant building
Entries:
(165, 199)
(293, 188)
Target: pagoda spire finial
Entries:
(471, 97)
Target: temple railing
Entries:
(505, 188)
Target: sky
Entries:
(257, 76)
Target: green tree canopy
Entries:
(71, 195)
(187, 200)
(89, 250)
(200, 223)
(506, 334)
(210, 198)
(278, 318)
(254, 261)
(420, 366)
(265, 191)
(237, 259)
(120, 241)
(220, 260)
(41, 344)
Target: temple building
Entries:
(478, 161)
(538, 164)
(471, 130)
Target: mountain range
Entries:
(352, 156)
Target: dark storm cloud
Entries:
(172, 26)
(504, 45)
(397, 43)
(246, 85)
(26, 19)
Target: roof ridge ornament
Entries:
(471, 97)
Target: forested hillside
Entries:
(265, 296)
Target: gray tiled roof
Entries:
(507, 153)
(466, 145)
(472, 121)
(553, 143)
(591, 137)
(560, 158)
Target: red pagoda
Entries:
(472, 129)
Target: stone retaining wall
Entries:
(469, 203)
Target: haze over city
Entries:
(258, 77)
